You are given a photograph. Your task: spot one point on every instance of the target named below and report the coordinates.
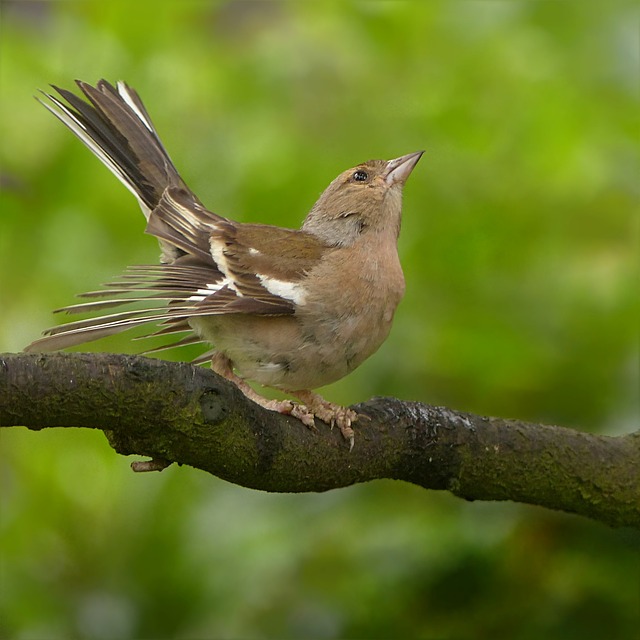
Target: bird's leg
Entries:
(223, 367)
(315, 406)
(332, 414)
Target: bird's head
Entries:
(364, 199)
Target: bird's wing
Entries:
(227, 268)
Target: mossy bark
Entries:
(175, 412)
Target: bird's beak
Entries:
(398, 170)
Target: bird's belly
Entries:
(296, 352)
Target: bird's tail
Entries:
(115, 125)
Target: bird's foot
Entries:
(314, 405)
(333, 414)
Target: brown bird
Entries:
(289, 309)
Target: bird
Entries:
(290, 309)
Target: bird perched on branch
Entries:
(289, 309)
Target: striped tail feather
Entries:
(116, 127)
(159, 293)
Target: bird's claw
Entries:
(303, 414)
(332, 414)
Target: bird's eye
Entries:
(360, 176)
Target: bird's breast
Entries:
(346, 314)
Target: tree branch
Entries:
(176, 412)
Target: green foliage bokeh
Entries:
(520, 245)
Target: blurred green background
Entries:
(520, 244)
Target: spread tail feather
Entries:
(116, 127)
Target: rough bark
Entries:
(176, 412)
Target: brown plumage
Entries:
(290, 309)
